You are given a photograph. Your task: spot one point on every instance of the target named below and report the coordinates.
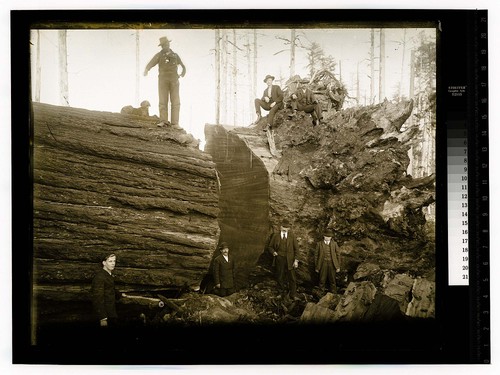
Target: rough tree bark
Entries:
(108, 183)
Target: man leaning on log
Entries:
(104, 294)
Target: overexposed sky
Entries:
(102, 67)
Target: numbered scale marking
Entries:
(458, 210)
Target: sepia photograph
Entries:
(194, 177)
(202, 180)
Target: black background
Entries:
(456, 335)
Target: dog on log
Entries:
(142, 111)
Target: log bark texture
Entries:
(350, 174)
(110, 183)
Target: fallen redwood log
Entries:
(106, 183)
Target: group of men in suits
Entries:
(302, 99)
(283, 247)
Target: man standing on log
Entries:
(284, 248)
(326, 261)
(272, 101)
(223, 269)
(104, 294)
(303, 99)
(168, 82)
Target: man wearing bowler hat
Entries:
(272, 101)
(284, 248)
(326, 261)
(168, 82)
(224, 272)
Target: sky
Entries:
(102, 67)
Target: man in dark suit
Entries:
(104, 294)
(284, 248)
(303, 99)
(223, 269)
(326, 261)
(272, 101)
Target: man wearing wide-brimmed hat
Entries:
(326, 261)
(168, 82)
(272, 101)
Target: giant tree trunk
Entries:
(107, 183)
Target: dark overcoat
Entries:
(104, 295)
(320, 252)
(292, 247)
(224, 272)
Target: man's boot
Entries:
(258, 119)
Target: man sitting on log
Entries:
(303, 100)
(272, 101)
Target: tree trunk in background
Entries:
(137, 68)
(412, 82)
(217, 76)
(292, 54)
(357, 85)
(224, 76)
(381, 82)
(235, 81)
(248, 117)
(400, 91)
(63, 68)
(372, 66)
(38, 77)
(254, 88)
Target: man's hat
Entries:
(268, 76)
(223, 245)
(285, 223)
(164, 40)
(328, 233)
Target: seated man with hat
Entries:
(272, 101)
(303, 99)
